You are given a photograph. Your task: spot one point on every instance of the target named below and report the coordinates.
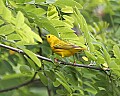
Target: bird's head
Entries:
(51, 38)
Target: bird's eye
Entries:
(48, 36)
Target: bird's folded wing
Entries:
(66, 46)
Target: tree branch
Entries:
(59, 61)
(18, 86)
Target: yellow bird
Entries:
(62, 48)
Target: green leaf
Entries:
(82, 39)
(91, 90)
(57, 23)
(43, 78)
(6, 29)
(45, 23)
(70, 36)
(68, 18)
(91, 46)
(6, 14)
(27, 1)
(69, 21)
(81, 20)
(106, 56)
(13, 37)
(25, 69)
(1, 4)
(89, 55)
(100, 60)
(62, 92)
(13, 4)
(65, 85)
(39, 1)
(56, 83)
(68, 24)
(70, 3)
(33, 57)
(19, 20)
(62, 80)
(84, 28)
(98, 53)
(116, 51)
(20, 1)
(50, 74)
(67, 9)
(1, 22)
(61, 76)
(39, 11)
(36, 36)
(18, 75)
(114, 67)
(52, 13)
(27, 35)
(32, 64)
(96, 27)
(33, 10)
(64, 29)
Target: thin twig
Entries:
(18, 86)
(59, 61)
(49, 91)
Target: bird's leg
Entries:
(74, 60)
(55, 60)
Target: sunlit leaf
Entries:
(56, 83)
(33, 57)
(116, 51)
(6, 14)
(1, 22)
(67, 9)
(39, 1)
(89, 55)
(19, 20)
(107, 56)
(71, 3)
(85, 58)
(6, 29)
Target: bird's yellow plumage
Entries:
(62, 48)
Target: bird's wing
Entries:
(66, 46)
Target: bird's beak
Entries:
(44, 36)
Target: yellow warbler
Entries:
(62, 48)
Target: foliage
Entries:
(86, 23)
